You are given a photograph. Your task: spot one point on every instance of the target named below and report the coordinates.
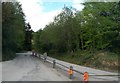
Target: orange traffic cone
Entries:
(86, 76)
(71, 72)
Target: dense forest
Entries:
(95, 28)
(16, 33)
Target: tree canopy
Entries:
(13, 29)
(96, 27)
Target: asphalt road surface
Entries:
(28, 68)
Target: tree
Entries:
(28, 37)
(96, 27)
(100, 24)
(13, 28)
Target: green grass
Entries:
(100, 59)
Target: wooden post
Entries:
(54, 63)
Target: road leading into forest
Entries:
(28, 68)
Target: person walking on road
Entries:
(33, 52)
(45, 56)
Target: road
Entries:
(28, 68)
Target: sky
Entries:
(41, 12)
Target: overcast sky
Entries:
(41, 12)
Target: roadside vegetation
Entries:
(90, 37)
(103, 60)
(16, 34)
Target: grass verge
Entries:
(103, 60)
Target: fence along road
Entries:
(94, 74)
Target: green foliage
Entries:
(100, 59)
(37, 45)
(96, 27)
(13, 28)
(28, 38)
